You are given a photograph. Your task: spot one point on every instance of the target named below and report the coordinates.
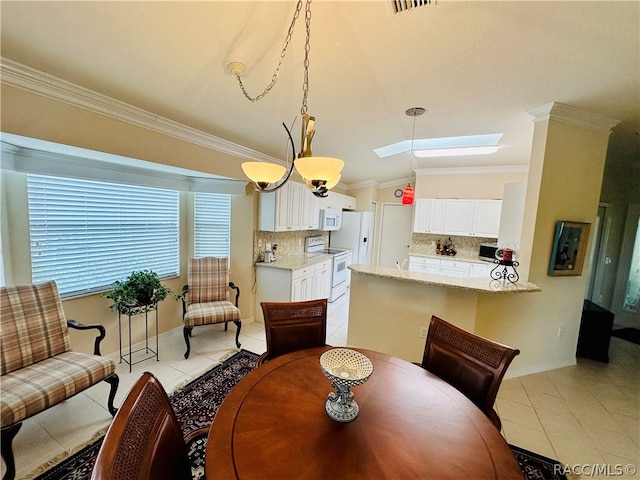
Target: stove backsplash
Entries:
(289, 243)
(467, 247)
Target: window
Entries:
(212, 225)
(87, 234)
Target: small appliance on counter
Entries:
(487, 251)
(269, 254)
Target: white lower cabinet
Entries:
(449, 267)
(283, 285)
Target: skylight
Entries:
(443, 147)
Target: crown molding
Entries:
(26, 78)
(473, 170)
(573, 116)
(364, 183)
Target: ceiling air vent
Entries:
(404, 5)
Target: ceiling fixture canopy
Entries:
(408, 194)
(320, 174)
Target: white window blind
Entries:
(86, 234)
(212, 225)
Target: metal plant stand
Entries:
(131, 311)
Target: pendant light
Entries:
(408, 194)
(320, 174)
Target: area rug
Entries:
(628, 334)
(197, 403)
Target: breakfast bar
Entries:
(389, 308)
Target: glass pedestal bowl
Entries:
(345, 368)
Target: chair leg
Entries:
(187, 333)
(114, 381)
(8, 434)
(239, 325)
(226, 325)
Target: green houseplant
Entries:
(140, 288)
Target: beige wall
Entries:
(35, 116)
(475, 185)
(565, 175)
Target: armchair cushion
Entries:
(34, 388)
(211, 312)
(208, 280)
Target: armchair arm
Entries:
(80, 326)
(237, 289)
(183, 297)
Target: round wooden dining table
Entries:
(411, 425)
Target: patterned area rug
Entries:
(197, 403)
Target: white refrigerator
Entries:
(356, 234)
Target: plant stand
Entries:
(131, 311)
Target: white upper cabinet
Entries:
(486, 219)
(468, 217)
(338, 201)
(292, 207)
(458, 217)
(512, 213)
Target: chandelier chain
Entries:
(276, 72)
(307, 48)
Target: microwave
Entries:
(487, 251)
(330, 219)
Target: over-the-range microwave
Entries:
(330, 219)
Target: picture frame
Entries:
(569, 248)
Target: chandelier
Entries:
(320, 174)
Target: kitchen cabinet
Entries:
(284, 285)
(454, 268)
(458, 217)
(461, 217)
(292, 207)
(302, 284)
(486, 218)
(338, 201)
(512, 214)
(449, 267)
(322, 279)
(429, 215)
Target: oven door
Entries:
(340, 264)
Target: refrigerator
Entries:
(356, 234)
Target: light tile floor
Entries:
(584, 414)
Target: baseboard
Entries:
(521, 372)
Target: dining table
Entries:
(411, 425)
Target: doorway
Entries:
(599, 260)
(626, 301)
(396, 226)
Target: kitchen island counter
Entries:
(483, 285)
(390, 309)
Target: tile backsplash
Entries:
(467, 247)
(289, 243)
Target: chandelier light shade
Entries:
(408, 195)
(319, 169)
(319, 173)
(263, 174)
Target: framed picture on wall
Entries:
(569, 248)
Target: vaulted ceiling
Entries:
(477, 67)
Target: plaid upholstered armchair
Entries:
(39, 370)
(205, 299)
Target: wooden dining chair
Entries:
(145, 439)
(472, 364)
(291, 326)
(205, 299)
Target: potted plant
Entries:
(141, 288)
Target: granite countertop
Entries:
(481, 285)
(296, 261)
(450, 257)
